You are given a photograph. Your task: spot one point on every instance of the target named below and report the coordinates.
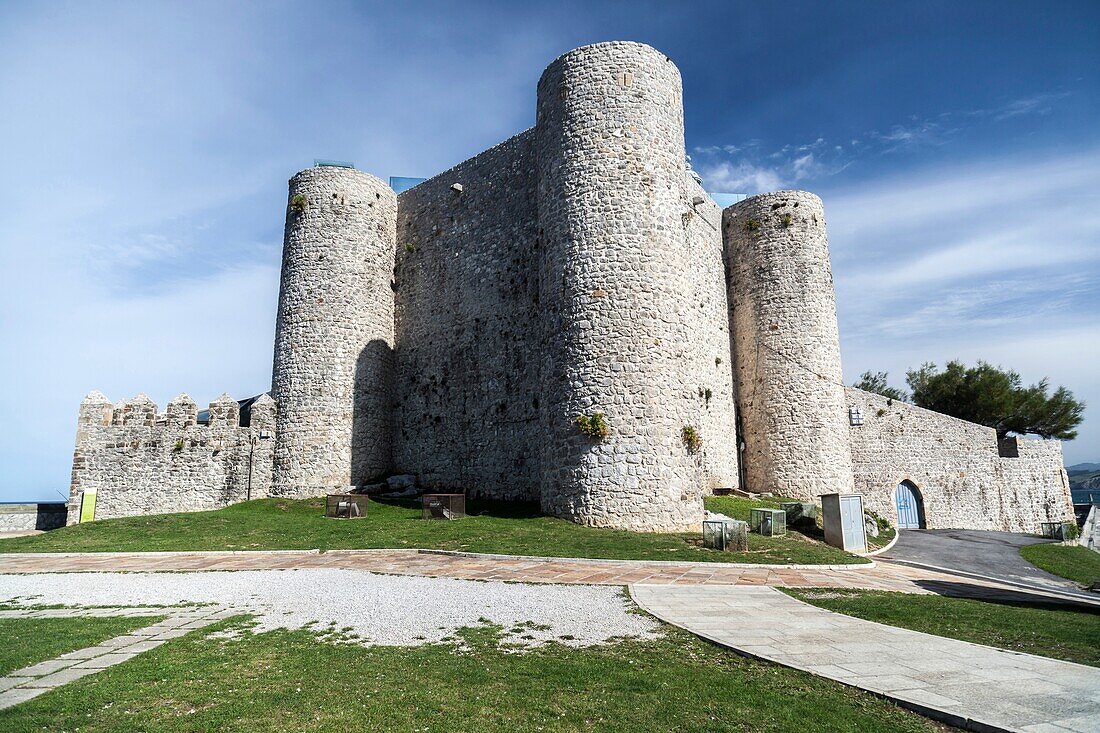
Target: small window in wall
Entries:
(1008, 448)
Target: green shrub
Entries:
(786, 220)
(298, 203)
(752, 225)
(178, 446)
(691, 438)
(593, 426)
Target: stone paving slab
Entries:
(963, 684)
(469, 566)
(30, 682)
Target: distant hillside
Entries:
(1089, 481)
(1083, 468)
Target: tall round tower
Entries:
(615, 288)
(786, 346)
(334, 334)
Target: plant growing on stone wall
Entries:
(717, 361)
(410, 247)
(691, 438)
(752, 225)
(178, 446)
(881, 523)
(786, 220)
(298, 203)
(593, 426)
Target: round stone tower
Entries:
(786, 346)
(614, 286)
(334, 334)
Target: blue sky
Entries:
(147, 147)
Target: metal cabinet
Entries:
(842, 518)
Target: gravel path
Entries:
(379, 609)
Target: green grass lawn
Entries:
(28, 641)
(513, 528)
(1076, 563)
(289, 682)
(1061, 632)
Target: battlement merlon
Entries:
(98, 412)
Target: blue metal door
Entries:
(908, 506)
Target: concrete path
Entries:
(966, 685)
(986, 554)
(30, 682)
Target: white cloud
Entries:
(997, 261)
(139, 246)
(742, 177)
(747, 168)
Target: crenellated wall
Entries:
(139, 462)
(964, 478)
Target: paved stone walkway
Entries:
(967, 685)
(469, 566)
(30, 682)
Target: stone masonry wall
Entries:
(25, 517)
(963, 480)
(139, 462)
(332, 375)
(786, 346)
(468, 328)
(712, 358)
(616, 291)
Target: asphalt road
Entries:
(993, 554)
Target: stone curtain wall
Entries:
(332, 376)
(615, 288)
(25, 517)
(713, 363)
(786, 346)
(957, 467)
(139, 462)
(468, 327)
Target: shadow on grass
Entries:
(1004, 597)
(496, 509)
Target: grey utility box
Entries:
(842, 519)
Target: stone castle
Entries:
(577, 271)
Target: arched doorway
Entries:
(910, 507)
